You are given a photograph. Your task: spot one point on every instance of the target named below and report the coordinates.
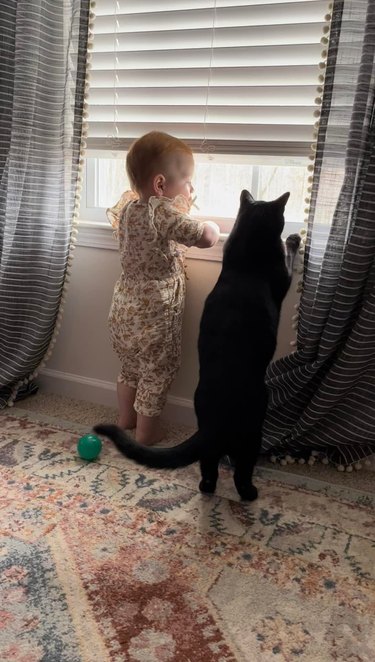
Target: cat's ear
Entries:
(282, 200)
(246, 196)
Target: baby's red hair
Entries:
(147, 154)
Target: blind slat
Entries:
(213, 132)
(309, 33)
(252, 114)
(231, 57)
(105, 7)
(261, 14)
(220, 76)
(195, 96)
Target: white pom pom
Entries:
(349, 468)
(301, 460)
(325, 460)
(358, 466)
(311, 461)
(340, 467)
(315, 453)
(367, 463)
(273, 459)
(283, 462)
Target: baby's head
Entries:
(161, 165)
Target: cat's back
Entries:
(240, 294)
(239, 317)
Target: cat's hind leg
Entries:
(210, 473)
(245, 460)
(243, 482)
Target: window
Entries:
(218, 181)
(235, 79)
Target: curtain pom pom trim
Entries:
(312, 156)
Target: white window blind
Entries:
(240, 76)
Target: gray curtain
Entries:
(322, 396)
(43, 47)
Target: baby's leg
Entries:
(149, 430)
(159, 358)
(151, 396)
(127, 415)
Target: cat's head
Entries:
(257, 229)
(261, 218)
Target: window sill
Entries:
(98, 235)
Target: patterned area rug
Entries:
(106, 561)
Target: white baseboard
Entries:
(177, 410)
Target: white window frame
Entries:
(96, 231)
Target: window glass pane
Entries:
(276, 180)
(217, 181)
(111, 181)
(218, 186)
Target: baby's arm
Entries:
(210, 235)
(177, 226)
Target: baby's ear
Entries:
(158, 184)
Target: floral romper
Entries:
(145, 319)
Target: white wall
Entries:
(83, 364)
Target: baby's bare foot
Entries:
(127, 422)
(150, 439)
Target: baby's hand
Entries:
(210, 235)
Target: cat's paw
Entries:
(207, 486)
(293, 242)
(247, 492)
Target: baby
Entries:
(146, 314)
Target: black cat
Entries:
(237, 341)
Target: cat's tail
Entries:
(188, 452)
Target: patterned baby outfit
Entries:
(145, 319)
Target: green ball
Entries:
(89, 447)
